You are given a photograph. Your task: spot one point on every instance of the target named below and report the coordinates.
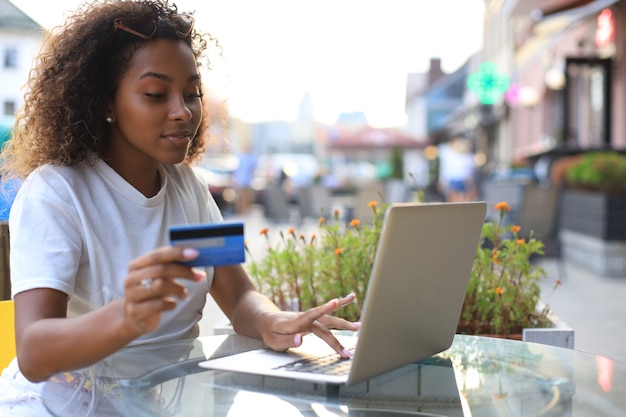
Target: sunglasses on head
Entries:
(145, 28)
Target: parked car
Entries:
(301, 168)
(218, 171)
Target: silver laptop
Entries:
(412, 304)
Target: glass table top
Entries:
(477, 376)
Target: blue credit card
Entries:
(218, 243)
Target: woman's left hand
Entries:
(286, 328)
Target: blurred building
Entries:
(569, 56)
(438, 110)
(420, 105)
(562, 62)
(565, 60)
(19, 36)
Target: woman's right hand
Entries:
(151, 285)
(41, 317)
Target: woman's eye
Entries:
(194, 95)
(155, 95)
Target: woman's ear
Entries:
(110, 118)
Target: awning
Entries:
(551, 23)
(544, 8)
(579, 9)
(371, 138)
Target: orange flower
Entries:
(355, 222)
(264, 231)
(499, 290)
(502, 206)
(336, 213)
(520, 241)
(320, 220)
(494, 257)
(516, 229)
(290, 230)
(372, 204)
(338, 251)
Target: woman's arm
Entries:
(48, 342)
(254, 315)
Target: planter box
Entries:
(560, 334)
(593, 231)
(594, 214)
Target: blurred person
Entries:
(111, 125)
(457, 171)
(243, 180)
(289, 187)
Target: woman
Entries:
(112, 121)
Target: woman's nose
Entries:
(180, 110)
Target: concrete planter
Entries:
(593, 231)
(560, 334)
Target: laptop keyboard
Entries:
(331, 364)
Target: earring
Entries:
(109, 119)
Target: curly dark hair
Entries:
(76, 76)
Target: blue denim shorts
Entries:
(457, 185)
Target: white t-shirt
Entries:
(75, 229)
(455, 165)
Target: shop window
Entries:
(9, 108)
(10, 58)
(587, 103)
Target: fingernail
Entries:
(357, 324)
(297, 339)
(334, 302)
(347, 353)
(190, 253)
(350, 295)
(198, 274)
(185, 294)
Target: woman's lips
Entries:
(178, 138)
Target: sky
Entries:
(347, 55)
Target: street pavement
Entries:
(593, 305)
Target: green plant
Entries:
(601, 171)
(503, 291)
(397, 163)
(299, 272)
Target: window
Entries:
(9, 108)
(587, 97)
(10, 58)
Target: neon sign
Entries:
(488, 82)
(605, 32)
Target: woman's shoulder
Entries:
(49, 186)
(51, 175)
(58, 174)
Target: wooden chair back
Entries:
(7, 332)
